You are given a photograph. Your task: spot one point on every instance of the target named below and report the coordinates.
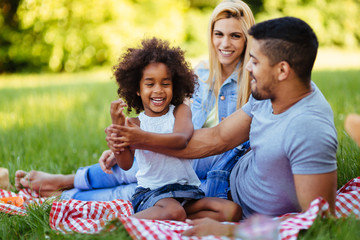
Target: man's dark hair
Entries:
(288, 39)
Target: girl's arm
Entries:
(123, 158)
(178, 139)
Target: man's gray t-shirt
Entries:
(301, 140)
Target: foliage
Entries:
(67, 35)
(335, 22)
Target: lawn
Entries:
(55, 123)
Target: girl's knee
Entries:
(233, 212)
(172, 210)
(228, 210)
(176, 213)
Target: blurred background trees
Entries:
(66, 35)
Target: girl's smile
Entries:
(156, 89)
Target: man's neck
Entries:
(289, 96)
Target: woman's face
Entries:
(228, 41)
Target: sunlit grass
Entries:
(51, 79)
(57, 125)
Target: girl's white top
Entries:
(155, 169)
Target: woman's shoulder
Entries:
(202, 64)
(202, 70)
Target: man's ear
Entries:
(283, 70)
(138, 93)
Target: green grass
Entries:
(55, 123)
(342, 90)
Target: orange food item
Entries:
(16, 201)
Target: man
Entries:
(290, 126)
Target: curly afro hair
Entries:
(129, 71)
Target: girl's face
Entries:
(228, 41)
(156, 89)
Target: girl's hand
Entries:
(125, 135)
(116, 112)
(110, 135)
(107, 161)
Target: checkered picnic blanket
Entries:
(91, 217)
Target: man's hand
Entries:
(107, 161)
(116, 112)
(208, 226)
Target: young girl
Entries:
(167, 186)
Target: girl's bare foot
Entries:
(45, 184)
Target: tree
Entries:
(334, 21)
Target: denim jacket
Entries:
(203, 100)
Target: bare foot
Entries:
(45, 184)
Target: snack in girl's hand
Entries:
(16, 201)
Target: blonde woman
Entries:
(224, 88)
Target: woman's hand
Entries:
(208, 226)
(107, 161)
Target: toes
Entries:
(19, 175)
(24, 182)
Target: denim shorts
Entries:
(145, 197)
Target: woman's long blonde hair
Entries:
(241, 11)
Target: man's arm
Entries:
(178, 139)
(230, 133)
(310, 186)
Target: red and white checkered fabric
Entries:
(143, 229)
(28, 196)
(348, 199)
(90, 217)
(86, 217)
